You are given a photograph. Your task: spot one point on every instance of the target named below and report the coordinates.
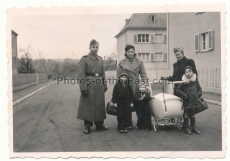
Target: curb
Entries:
(213, 102)
(31, 94)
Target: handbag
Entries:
(203, 106)
(111, 109)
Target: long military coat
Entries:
(92, 107)
(134, 71)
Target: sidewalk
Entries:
(22, 93)
(212, 96)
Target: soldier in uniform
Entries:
(91, 79)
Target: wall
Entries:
(183, 27)
(128, 38)
(21, 81)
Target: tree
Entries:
(26, 61)
(111, 62)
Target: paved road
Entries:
(47, 122)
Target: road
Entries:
(47, 122)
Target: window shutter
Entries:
(135, 38)
(152, 57)
(211, 39)
(165, 38)
(197, 42)
(152, 37)
(165, 56)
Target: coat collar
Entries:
(92, 56)
(131, 67)
(182, 60)
(187, 80)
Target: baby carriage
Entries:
(166, 108)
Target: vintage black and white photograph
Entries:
(135, 82)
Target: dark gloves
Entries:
(85, 93)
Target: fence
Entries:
(210, 79)
(21, 81)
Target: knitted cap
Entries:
(123, 74)
(141, 84)
(188, 67)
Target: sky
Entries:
(67, 36)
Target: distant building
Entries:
(14, 52)
(200, 36)
(154, 36)
(148, 33)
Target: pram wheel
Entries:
(155, 124)
(180, 122)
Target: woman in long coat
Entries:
(91, 79)
(135, 69)
(178, 67)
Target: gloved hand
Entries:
(85, 93)
(105, 89)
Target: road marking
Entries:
(31, 94)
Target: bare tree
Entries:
(26, 61)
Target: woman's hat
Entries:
(188, 67)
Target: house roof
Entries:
(143, 21)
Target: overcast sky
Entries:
(68, 36)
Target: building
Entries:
(14, 52)
(198, 33)
(200, 36)
(148, 33)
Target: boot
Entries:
(193, 124)
(187, 129)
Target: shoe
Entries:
(137, 128)
(193, 124)
(121, 131)
(130, 127)
(187, 129)
(87, 130)
(103, 127)
(126, 130)
(147, 130)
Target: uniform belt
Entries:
(93, 74)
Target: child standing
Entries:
(142, 98)
(190, 92)
(124, 98)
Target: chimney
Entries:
(127, 21)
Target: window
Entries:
(153, 18)
(143, 37)
(158, 38)
(158, 56)
(150, 38)
(143, 56)
(204, 41)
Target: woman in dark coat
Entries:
(190, 92)
(134, 67)
(91, 76)
(178, 67)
